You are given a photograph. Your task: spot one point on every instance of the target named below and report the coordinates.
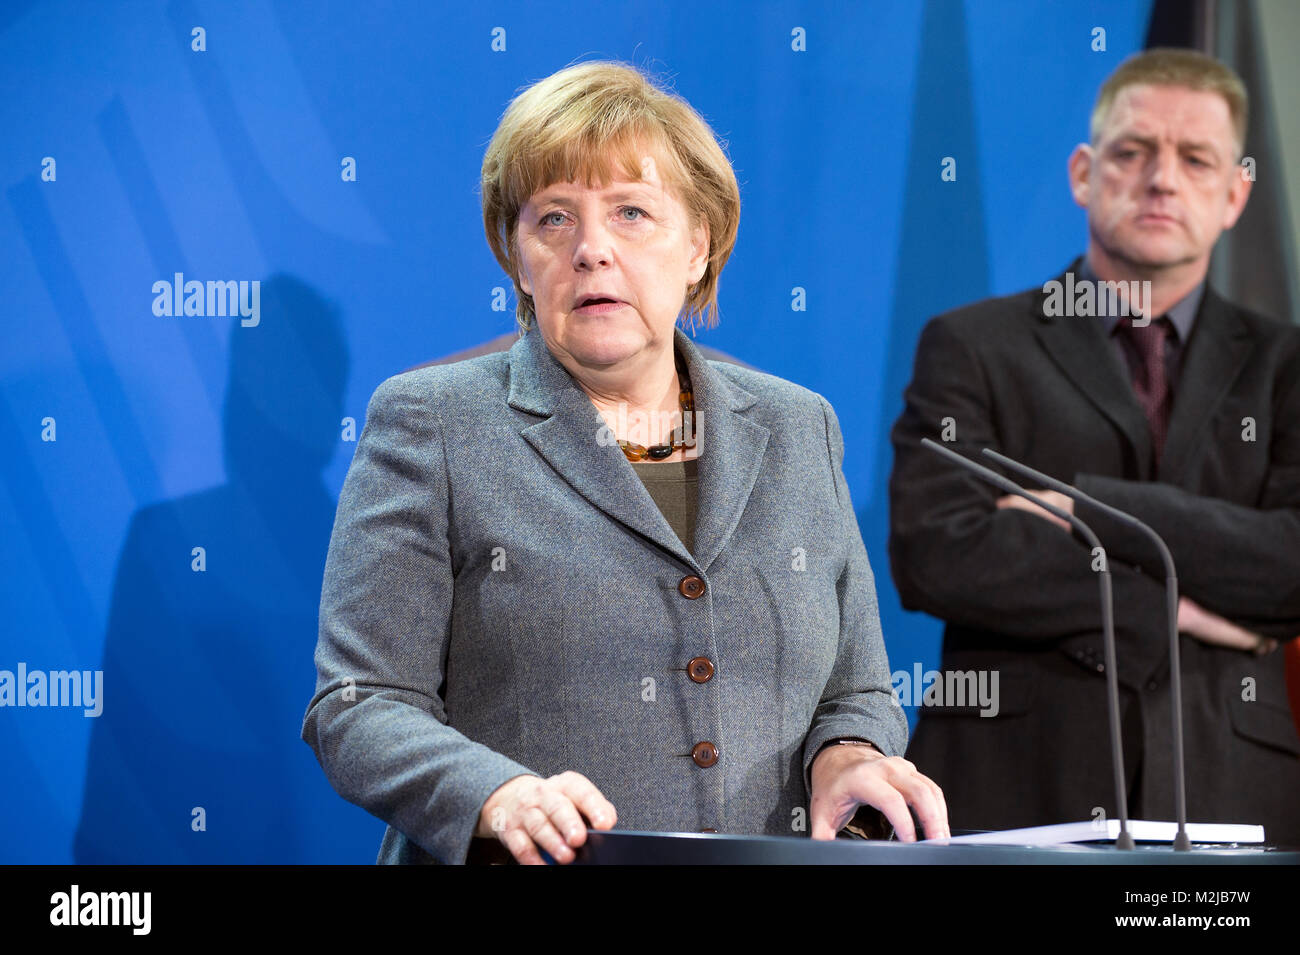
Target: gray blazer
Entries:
(502, 596)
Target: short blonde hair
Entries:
(587, 122)
(1163, 66)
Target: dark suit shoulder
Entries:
(990, 318)
(1260, 325)
(1275, 343)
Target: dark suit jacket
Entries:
(1018, 593)
(503, 596)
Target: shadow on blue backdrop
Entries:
(209, 652)
(937, 270)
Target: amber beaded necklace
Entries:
(677, 441)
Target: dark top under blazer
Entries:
(1019, 595)
(439, 678)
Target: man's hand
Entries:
(528, 812)
(1195, 621)
(1055, 498)
(845, 777)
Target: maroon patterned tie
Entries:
(1150, 384)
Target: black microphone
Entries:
(1181, 841)
(1125, 840)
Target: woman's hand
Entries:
(845, 777)
(528, 812)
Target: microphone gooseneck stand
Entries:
(1125, 839)
(1181, 841)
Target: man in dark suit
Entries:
(1185, 414)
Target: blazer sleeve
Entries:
(376, 721)
(858, 701)
(1237, 561)
(956, 556)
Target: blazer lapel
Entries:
(1080, 347)
(730, 447)
(731, 450)
(1213, 357)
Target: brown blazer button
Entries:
(691, 587)
(708, 829)
(705, 754)
(700, 669)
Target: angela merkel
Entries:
(598, 580)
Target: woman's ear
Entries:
(525, 282)
(699, 251)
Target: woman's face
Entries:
(631, 243)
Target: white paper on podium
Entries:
(1142, 830)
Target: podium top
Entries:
(690, 848)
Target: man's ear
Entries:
(1238, 192)
(1080, 170)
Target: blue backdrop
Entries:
(129, 440)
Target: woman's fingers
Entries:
(520, 844)
(547, 814)
(541, 829)
(890, 801)
(563, 815)
(943, 808)
(918, 792)
(892, 785)
(930, 807)
(590, 800)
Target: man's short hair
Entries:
(1174, 67)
